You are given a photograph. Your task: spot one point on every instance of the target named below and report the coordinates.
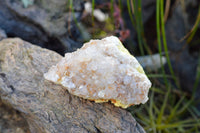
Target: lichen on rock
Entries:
(102, 70)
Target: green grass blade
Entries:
(112, 9)
(195, 117)
(156, 109)
(174, 110)
(160, 115)
(140, 22)
(158, 76)
(186, 105)
(194, 29)
(138, 27)
(181, 124)
(130, 13)
(93, 4)
(158, 90)
(144, 120)
(151, 115)
(175, 125)
(165, 42)
(120, 5)
(159, 39)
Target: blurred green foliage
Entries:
(169, 108)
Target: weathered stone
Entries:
(48, 107)
(11, 120)
(46, 23)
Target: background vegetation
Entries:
(170, 108)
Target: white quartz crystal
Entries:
(102, 70)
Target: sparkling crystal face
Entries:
(102, 70)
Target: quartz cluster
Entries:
(102, 70)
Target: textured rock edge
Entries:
(48, 107)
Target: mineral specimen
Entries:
(102, 70)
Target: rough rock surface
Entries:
(48, 107)
(47, 23)
(11, 120)
(2, 34)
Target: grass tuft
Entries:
(169, 109)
